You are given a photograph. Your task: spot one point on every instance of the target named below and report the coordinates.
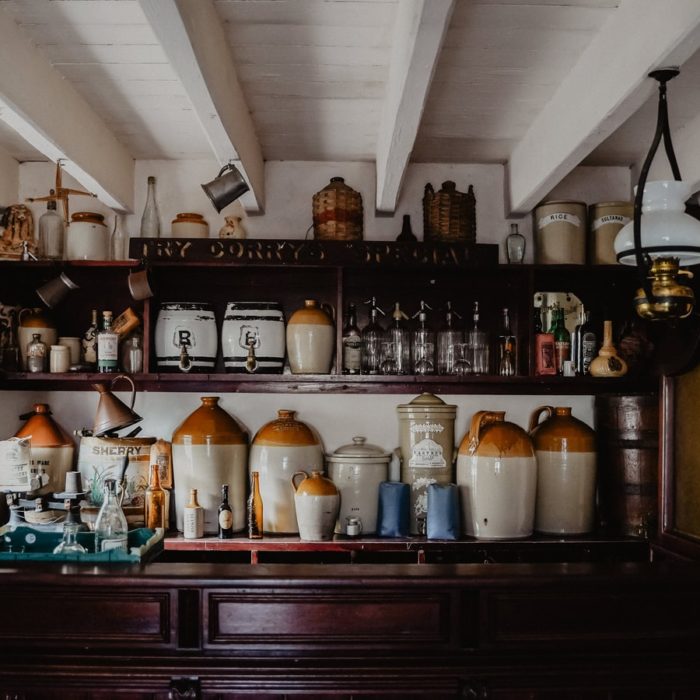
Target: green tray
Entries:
(30, 544)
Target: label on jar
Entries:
(559, 217)
(427, 454)
(610, 219)
(193, 523)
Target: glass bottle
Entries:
(119, 241)
(449, 340)
(10, 360)
(225, 515)
(544, 346)
(89, 341)
(515, 245)
(37, 354)
(352, 343)
(584, 344)
(562, 340)
(131, 354)
(111, 529)
(406, 235)
(193, 518)
(255, 509)
(477, 345)
(107, 346)
(423, 343)
(69, 544)
(396, 346)
(372, 336)
(507, 348)
(52, 232)
(154, 500)
(150, 221)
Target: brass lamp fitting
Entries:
(671, 299)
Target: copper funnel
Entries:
(112, 414)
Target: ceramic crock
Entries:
(252, 337)
(497, 478)
(189, 225)
(560, 233)
(87, 237)
(34, 321)
(316, 501)
(566, 472)
(52, 448)
(426, 440)
(210, 449)
(357, 470)
(310, 340)
(279, 449)
(186, 337)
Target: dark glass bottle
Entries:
(406, 235)
(585, 344)
(255, 509)
(507, 348)
(562, 340)
(352, 343)
(225, 515)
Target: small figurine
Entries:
(233, 228)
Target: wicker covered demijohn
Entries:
(337, 212)
(449, 215)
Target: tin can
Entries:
(560, 233)
(606, 219)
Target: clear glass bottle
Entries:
(225, 515)
(37, 354)
(150, 220)
(154, 501)
(477, 345)
(52, 232)
(515, 246)
(449, 338)
(119, 240)
(10, 359)
(507, 348)
(69, 544)
(372, 336)
(352, 343)
(107, 346)
(423, 343)
(131, 354)
(89, 342)
(193, 518)
(255, 509)
(111, 529)
(396, 357)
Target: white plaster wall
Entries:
(9, 179)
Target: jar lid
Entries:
(188, 216)
(360, 451)
(427, 401)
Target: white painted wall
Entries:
(9, 179)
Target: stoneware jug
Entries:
(311, 339)
(497, 478)
(566, 471)
(34, 321)
(317, 502)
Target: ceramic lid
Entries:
(359, 451)
(188, 216)
(91, 217)
(209, 425)
(427, 402)
(285, 431)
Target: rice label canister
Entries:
(560, 233)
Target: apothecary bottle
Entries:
(225, 515)
(107, 346)
(131, 354)
(111, 529)
(352, 343)
(515, 245)
(423, 343)
(154, 500)
(507, 347)
(119, 240)
(193, 518)
(37, 354)
(52, 232)
(255, 509)
(450, 338)
(150, 220)
(372, 335)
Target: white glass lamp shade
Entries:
(666, 229)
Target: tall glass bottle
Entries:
(352, 343)
(449, 339)
(372, 336)
(52, 231)
(562, 340)
(225, 515)
(89, 342)
(119, 241)
(150, 220)
(477, 345)
(111, 529)
(396, 353)
(507, 347)
(107, 346)
(584, 345)
(255, 509)
(423, 343)
(193, 518)
(155, 501)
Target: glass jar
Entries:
(131, 359)
(37, 354)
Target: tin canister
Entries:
(426, 434)
(560, 233)
(606, 219)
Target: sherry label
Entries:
(226, 520)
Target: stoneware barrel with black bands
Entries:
(186, 337)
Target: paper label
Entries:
(427, 454)
(113, 543)
(611, 219)
(15, 459)
(559, 217)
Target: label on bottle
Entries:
(107, 350)
(114, 543)
(226, 519)
(193, 523)
(589, 347)
(562, 352)
(352, 353)
(544, 354)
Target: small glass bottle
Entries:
(52, 232)
(193, 518)
(406, 235)
(477, 345)
(111, 529)
(89, 342)
(225, 515)
(255, 509)
(507, 348)
(515, 246)
(131, 354)
(37, 354)
(372, 336)
(396, 347)
(150, 220)
(352, 343)
(154, 500)
(562, 340)
(423, 343)
(69, 544)
(107, 346)
(449, 339)
(119, 241)
(584, 345)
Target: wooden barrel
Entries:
(627, 430)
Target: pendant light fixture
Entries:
(661, 237)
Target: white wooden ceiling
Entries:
(539, 85)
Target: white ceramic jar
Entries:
(310, 340)
(87, 237)
(357, 470)
(316, 501)
(186, 337)
(189, 225)
(279, 449)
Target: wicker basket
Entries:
(449, 215)
(337, 212)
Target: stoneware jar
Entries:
(497, 478)
(316, 501)
(310, 339)
(426, 439)
(189, 225)
(34, 321)
(566, 472)
(210, 449)
(357, 470)
(279, 449)
(87, 237)
(186, 337)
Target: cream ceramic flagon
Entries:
(310, 340)
(316, 501)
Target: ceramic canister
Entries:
(316, 502)
(310, 340)
(566, 472)
(210, 449)
(606, 219)
(87, 237)
(186, 337)
(259, 324)
(357, 470)
(34, 321)
(426, 436)
(52, 448)
(560, 233)
(279, 449)
(497, 478)
(189, 225)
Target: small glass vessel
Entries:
(37, 354)
(119, 240)
(111, 529)
(131, 352)
(397, 343)
(423, 343)
(515, 246)
(448, 337)
(477, 345)
(150, 220)
(52, 232)
(372, 336)
(69, 544)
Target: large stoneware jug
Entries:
(566, 472)
(497, 478)
(316, 501)
(310, 339)
(33, 321)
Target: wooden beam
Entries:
(418, 35)
(51, 115)
(193, 38)
(605, 87)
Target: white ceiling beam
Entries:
(418, 35)
(605, 87)
(47, 112)
(192, 35)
